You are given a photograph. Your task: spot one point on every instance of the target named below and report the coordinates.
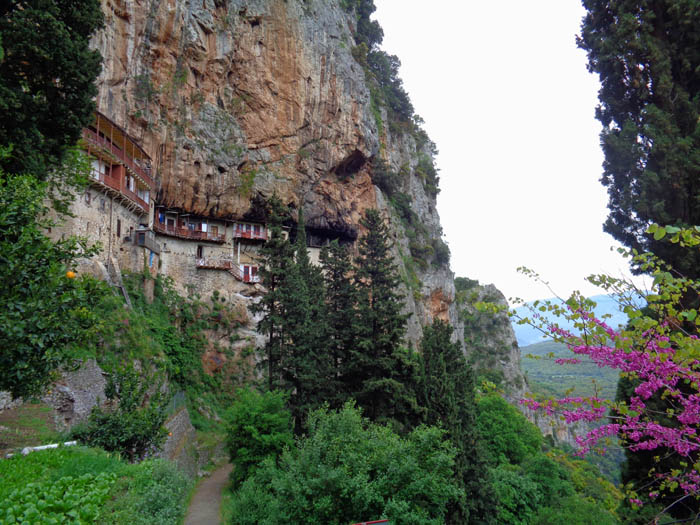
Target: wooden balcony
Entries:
(96, 144)
(116, 186)
(240, 233)
(228, 265)
(186, 233)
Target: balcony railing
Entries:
(227, 265)
(117, 184)
(186, 233)
(93, 139)
(242, 234)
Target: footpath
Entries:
(206, 502)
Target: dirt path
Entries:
(206, 502)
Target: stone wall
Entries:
(73, 396)
(98, 217)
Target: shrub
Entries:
(259, 426)
(508, 436)
(151, 493)
(135, 427)
(348, 470)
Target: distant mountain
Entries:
(527, 335)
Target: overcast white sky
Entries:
(508, 100)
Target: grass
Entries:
(27, 425)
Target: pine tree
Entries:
(306, 364)
(277, 256)
(47, 75)
(447, 393)
(341, 322)
(382, 373)
(647, 54)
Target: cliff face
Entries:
(236, 100)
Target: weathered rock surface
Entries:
(490, 340)
(236, 100)
(75, 393)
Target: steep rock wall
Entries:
(236, 100)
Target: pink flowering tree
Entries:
(659, 349)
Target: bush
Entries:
(508, 436)
(348, 470)
(259, 426)
(135, 427)
(152, 493)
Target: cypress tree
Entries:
(647, 54)
(381, 373)
(447, 392)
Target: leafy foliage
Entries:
(154, 492)
(68, 499)
(647, 56)
(151, 492)
(508, 436)
(348, 469)
(656, 415)
(259, 426)
(134, 427)
(46, 84)
(47, 318)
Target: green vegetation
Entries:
(382, 372)
(81, 485)
(346, 469)
(548, 378)
(47, 317)
(135, 427)
(447, 392)
(29, 424)
(169, 336)
(648, 61)
(46, 80)
(303, 312)
(533, 484)
(486, 344)
(76, 500)
(259, 426)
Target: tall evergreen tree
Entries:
(47, 75)
(647, 54)
(382, 373)
(341, 320)
(447, 393)
(306, 364)
(277, 256)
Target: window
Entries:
(200, 252)
(119, 227)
